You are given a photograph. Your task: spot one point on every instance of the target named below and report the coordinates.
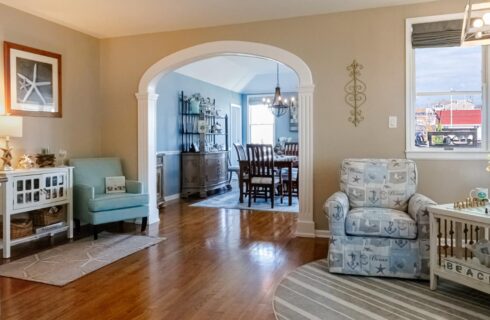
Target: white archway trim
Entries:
(147, 113)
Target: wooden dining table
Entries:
(280, 162)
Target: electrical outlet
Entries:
(392, 122)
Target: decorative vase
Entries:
(194, 105)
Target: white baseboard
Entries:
(172, 197)
(305, 229)
(322, 233)
(170, 152)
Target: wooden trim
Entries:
(412, 152)
(6, 61)
(170, 152)
(172, 197)
(320, 233)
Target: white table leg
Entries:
(6, 235)
(434, 262)
(4, 211)
(70, 220)
(70, 204)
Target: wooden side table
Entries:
(451, 232)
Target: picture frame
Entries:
(115, 184)
(293, 118)
(202, 126)
(32, 81)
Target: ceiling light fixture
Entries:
(279, 106)
(476, 24)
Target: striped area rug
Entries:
(311, 292)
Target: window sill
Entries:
(447, 155)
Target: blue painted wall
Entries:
(168, 135)
(281, 124)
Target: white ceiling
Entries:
(242, 74)
(113, 18)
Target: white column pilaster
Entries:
(147, 103)
(306, 225)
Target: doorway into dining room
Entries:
(147, 99)
(236, 107)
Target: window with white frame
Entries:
(260, 122)
(446, 106)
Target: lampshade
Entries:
(10, 126)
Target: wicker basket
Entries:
(47, 216)
(19, 228)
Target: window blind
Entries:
(437, 34)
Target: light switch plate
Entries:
(392, 122)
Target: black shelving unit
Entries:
(189, 127)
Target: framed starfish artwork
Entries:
(32, 81)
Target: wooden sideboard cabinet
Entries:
(160, 179)
(22, 191)
(203, 172)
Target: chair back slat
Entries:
(260, 160)
(291, 149)
(240, 151)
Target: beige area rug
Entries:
(63, 264)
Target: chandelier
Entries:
(476, 24)
(278, 106)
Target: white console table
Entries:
(452, 231)
(31, 189)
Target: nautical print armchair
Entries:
(379, 226)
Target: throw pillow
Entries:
(115, 184)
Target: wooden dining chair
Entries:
(294, 181)
(240, 151)
(243, 170)
(262, 174)
(232, 169)
(291, 149)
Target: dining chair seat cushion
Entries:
(102, 202)
(380, 222)
(264, 180)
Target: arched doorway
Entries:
(147, 114)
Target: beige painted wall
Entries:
(327, 43)
(79, 130)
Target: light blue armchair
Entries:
(92, 205)
(379, 226)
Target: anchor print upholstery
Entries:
(337, 208)
(380, 222)
(379, 226)
(384, 183)
(370, 257)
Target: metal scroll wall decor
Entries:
(355, 91)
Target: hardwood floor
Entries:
(215, 264)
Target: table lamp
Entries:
(10, 127)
